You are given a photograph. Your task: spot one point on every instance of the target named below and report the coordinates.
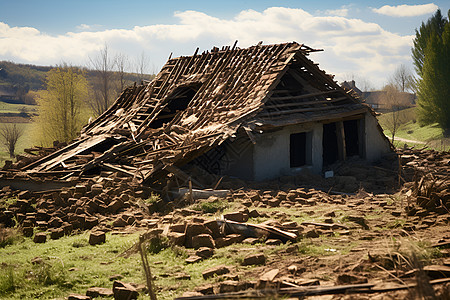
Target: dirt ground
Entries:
(367, 224)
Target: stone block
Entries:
(230, 286)
(214, 228)
(67, 227)
(177, 227)
(202, 240)
(194, 229)
(205, 252)
(24, 195)
(95, 292)
(193, 259)
(124, 291)
(176, 238)
(40, 237)
(217, 270)
(236, 216)
(56, 233)
(254, 259)
(55, 222)
(90, 222)
(96, 189)
(115, 205)
(119, 222)
(97, 237)
(28, 231)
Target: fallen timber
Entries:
(301, 292)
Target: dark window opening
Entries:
(330, 144)
(178, 101)
(298, 145)
(351, 138)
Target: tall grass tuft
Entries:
(9, 236)
(7, 281)
(49, 272)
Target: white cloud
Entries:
(351, 45)
(343, 12)
(84, 27)
(406, 10)
(87, 27)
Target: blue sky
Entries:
(363, 40)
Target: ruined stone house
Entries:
(256, 113)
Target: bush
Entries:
(211, 206)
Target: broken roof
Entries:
(197, 102)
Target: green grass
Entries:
(25, 141)
(17, 108)
(71, 265)
(218, 205)
(431, 135)
(68, 265)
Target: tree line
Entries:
(71, 95)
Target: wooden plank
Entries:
(299, 110)
(321, 93)
(118, 169)
(340, 135)
(304, 103)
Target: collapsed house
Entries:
(256, 113)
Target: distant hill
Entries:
(17, 79)
(26, 76)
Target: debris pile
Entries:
(84, 206)
(429, 173)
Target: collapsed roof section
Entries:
(196, 103)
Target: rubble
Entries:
(87, 205)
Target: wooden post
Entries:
(362, 137)
(146, 266)
(340, 135)
(191, 198)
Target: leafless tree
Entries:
(394, 101)
(103, 90)
(10, 134)
(364, 84)
(122, 63)
(402, 78)
(142, 66)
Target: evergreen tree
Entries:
(434, 87)
(434, 25)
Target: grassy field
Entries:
(25, 141)
(17, 108)
(70, 265)
(54, 269)
(431, 135)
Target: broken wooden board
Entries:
(256, 230)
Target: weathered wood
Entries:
(299, 97)
(274, 105)
(340, 135)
